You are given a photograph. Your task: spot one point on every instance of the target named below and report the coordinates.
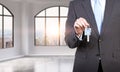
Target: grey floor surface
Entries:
(38, 64)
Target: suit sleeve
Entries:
(70, 37)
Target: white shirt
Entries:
(102, 3)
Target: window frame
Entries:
(3, 16)
(59, 17)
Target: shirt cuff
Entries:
(80, 37)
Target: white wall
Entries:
(34, 8)
(15, 8)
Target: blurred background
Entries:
(32, 36)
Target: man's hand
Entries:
(80, 25)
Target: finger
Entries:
(80, 23)
(85, 22)
(77, 26)
(78, 31)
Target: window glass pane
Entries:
(8, 32)
(6, 12)
(40, 31)
(52, 11)
(0, 9)
(63, 11)
(52, 31)
(41, 13)
(0, 31)
(62, 30)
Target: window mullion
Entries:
(2, 27)
(45, 30)
(13, 31)
(59, 25)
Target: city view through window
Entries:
(50, 26)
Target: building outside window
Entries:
(6, 27)
(50, 26)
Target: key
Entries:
(88, 33)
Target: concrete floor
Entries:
(38, 64)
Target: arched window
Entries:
(50, 26)
(6, 28)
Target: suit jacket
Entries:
(105, 45)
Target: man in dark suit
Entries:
(102, 52)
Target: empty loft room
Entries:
(32, 36)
